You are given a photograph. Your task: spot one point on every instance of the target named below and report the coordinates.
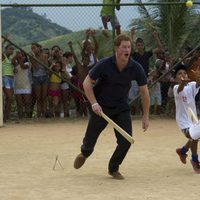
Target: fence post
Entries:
(1, 91)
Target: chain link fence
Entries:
(45, 52)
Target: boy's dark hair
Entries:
(67, 54)
(180, 67)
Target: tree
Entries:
(175, 23)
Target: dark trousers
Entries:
(97, 124)
(164, 93)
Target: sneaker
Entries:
(181, 156)
(79, 161)
(116, 175)
(196, 166)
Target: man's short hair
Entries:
(120, 38)
(139, 40)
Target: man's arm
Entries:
(96, 45)
(144, 92)
(132, 35)
(73, 53)
(88, 88)
(158, 43)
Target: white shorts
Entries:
(23, 91)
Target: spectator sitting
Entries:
(107, 16)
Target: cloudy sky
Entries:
(77, 18)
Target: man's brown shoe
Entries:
(116, 175)
(79, 161)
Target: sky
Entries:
(79, 18)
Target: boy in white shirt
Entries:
(184, 95)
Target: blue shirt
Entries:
(112, 86)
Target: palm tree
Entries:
(174, 23)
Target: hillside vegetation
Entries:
(105, 44)
(25, 26)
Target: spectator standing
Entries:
(8, 80)
(140, 54)
(155, 93)
(163, 65)
(65, 89)
(40, 79)
(90, 48)
(54, 89)
(23, 87)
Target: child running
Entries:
(184, 94)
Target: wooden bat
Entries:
(192, 116)
(195, 129)
(118, 128)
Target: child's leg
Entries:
(195, 160)
(50, 100)
(104, 20)
(56, 106)
(118, 30)
(65, 101)
(182, 152)
(194, 144)
(27, 101)
(19, 101)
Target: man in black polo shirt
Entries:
(140, 54)
(106, 87)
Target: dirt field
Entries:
(152, 170)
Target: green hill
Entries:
(25, 26)
(105, 44)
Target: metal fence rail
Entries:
(72, 20)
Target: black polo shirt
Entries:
(143, 59)
(112, 86)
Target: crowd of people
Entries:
(41, 81)
(50, 81)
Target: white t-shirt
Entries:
(22, 77)
(183, 100)
(68, 69)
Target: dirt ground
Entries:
(152, 169)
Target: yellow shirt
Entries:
(55, 79)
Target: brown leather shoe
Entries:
(79, 161)
(116, 175)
